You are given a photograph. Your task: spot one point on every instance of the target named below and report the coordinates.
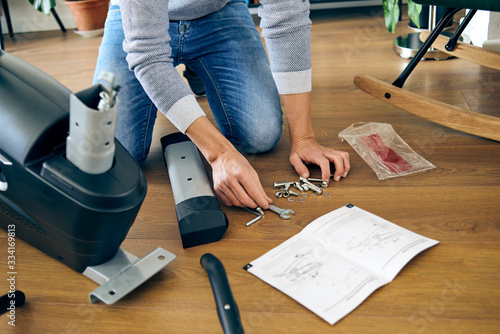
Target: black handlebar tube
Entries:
(227, 309)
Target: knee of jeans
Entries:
(136, 151)
(262, 139)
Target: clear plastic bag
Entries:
(384, 150)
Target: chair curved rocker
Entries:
(435, 111)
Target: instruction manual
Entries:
(338, 260)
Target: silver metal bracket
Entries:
(125, 272)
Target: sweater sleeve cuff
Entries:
(293, 82)
(184, 112)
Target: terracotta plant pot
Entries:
(88, 14)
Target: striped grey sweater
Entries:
(285, 27)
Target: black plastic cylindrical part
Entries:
(11, 300)
(227, 309)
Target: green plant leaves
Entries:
(43, 5)
(414, 10)
(391, 13)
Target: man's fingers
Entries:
(299, 166)
(324, 165)
(228, 196)
(251, 194)
(245, 195)
(223, 197)
(341, 161)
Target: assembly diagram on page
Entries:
(338, 260)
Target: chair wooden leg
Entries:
(481, 125)
(468, 52)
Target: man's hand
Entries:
(305, 148)
(307, 151)
(235, 180)
(237, 183)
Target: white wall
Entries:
(25, 18)
(484, 29)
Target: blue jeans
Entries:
(225, 50)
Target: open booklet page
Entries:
(338, 260)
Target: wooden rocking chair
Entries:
(453, 117)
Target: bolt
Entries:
(291, 192)
(310, 179)
(318, 192)
(280, 184)
(311, 186)
(298, 186)
(324, 184)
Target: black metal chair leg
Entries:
(454, 39)
(5, 6)
(61, 25)
(399, 82)
(1, 38)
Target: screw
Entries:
(291, 192)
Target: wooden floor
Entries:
(450, 288)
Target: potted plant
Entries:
(43, 5)
(392, 13)
(89, 15)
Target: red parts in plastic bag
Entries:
(393, 161)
